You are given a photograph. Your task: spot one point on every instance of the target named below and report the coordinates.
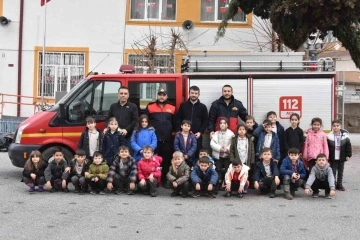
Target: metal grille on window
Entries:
(160, 64)
(62, 72)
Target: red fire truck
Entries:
(309, 93)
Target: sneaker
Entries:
(41, 188)
(315, 195)
(52, 190)
(327, 196)
(153, 194)
(93, 192)
(211, 195)
(101, 192)
(184, 195)
(227, 194)
(77, 190)
(130, 192)
(288, 196)
(340, 187)
(272, 195)
(292, 193)
(117, 192)
(196, 194)
(239, 195)
(66, 190)
(174, 194)
(31, 189)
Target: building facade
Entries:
(89, 35)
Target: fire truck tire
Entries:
(47, 154)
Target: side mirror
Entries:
(62, 111)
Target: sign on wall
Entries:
(289, 105)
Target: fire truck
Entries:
(283, 83)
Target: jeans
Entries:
(78, 180)
(289, 185)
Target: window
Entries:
(153, 9)
(215, 11)
(160, 64)
(95, 99)
(62, 72)
(143, 93)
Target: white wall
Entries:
(70, 23)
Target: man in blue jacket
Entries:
(293, 172)
(204, 178)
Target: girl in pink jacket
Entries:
(315, 143)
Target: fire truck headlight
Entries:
(19, 133)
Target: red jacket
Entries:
(150, 166)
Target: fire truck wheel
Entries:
(47, 154)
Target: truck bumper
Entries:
(19, 153)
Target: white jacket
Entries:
(215, 145)
(243, 176)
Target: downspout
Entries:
(20, 49)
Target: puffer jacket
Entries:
(286, 168)
(274, 146)
(111, 144)
(150, 166)
(210, 176)
(215, 144)
(181, 175)
(243, 176)
(189, 149)
(141, 138)
(101, 171)
(315, 143)
(345, 145)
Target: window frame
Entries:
(159, 19)
(156, 67)
(216, 15)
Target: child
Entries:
(315, 143)
(113, 139)
(268, 139)
(277, 128)
(204, 178)
(294, 136)
(55, 174)
(123, 172)
(339, 151)
(78, 166)
(149, 171)
(242, 147)
(96, 177)
(91, 139)
(220, 145)
(266, 177)
(251, 125)
(33, 174)
(236, 178)
(293, 172)
(178, 175)
(321, 177)
(143, 135)
(185, 142)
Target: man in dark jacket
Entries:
(196, 112)
(161, 116)
(226, 106)
(125, 112)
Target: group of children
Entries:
(255, 156)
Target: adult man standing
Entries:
(161, 117)
(196, 112)
(226, 106)
(125, 112)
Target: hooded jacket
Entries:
(141, 138)
(196, 113)
(181, 175)
(232, 112)
(322, 174)
(111, 144)
(150, 166)
(234, 154)
(286, 168)
(345, 145)
(315, 143)
(210, 176)
(215, 144)
(191, 144)
(243, 176)
(56, 170)
(84, 141)
(101, 171)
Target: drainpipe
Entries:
(20, 48)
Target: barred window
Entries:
(62, 72)
(160, 63)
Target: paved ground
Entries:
(72, 216)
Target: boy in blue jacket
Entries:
(293, 173)
(185, 142)
(204, 178)
(268, 139)
(266, 177)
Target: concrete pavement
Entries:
(73, 216)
